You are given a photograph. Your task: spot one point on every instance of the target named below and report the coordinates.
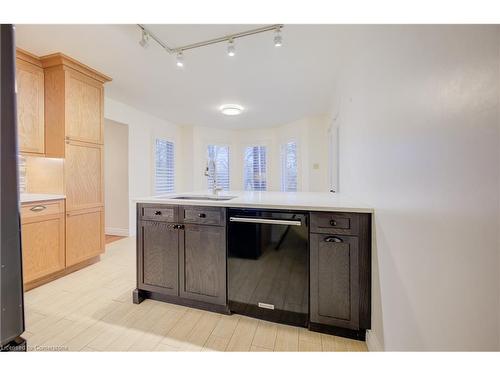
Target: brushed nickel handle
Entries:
(38, 208)
(264, 221)
(333, 239)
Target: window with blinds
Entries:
(219, 154)
(255, 168)
(289, 166)
(164, 166)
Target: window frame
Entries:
(154, 187)
(267, 164)
(282, 156)
(221, 145)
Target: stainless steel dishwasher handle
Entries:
(265, 221)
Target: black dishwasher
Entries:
(268, 265)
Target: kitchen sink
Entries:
(205, 197)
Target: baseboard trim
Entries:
(372, 342)
(116, 231)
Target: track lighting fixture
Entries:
(278, 40)
(180, 60)
(144, 39)
(231, 50)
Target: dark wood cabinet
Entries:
(178, 261)
(159, 263)
(334, 288)
(182, 259)
(203, 263)
(340, 273)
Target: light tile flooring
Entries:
(92, 310)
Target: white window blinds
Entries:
(164, 166)
(289, 166)
(255, 168)
(220, 154)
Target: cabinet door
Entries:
(334, 280)
(84, 235)
(203, 263)
(84, 108)
(83, 175)
(158, 255)
(43, 243)
(30, 107)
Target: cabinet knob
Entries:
(333, 223)
(158, 213)
(202, 215)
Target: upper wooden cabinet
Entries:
(73, 103)
(30, 103)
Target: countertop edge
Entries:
(227, 204)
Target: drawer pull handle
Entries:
(158, 213)
(202, 215)
(333, 239)
(37, 208)
(333, 223)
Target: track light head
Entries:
(231, 50)
(144, 42)
(180, 59)
(278, 39)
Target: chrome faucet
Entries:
(213, 176)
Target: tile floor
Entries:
(92, 310)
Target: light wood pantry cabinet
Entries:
(83, 175)
(84, 235)
(74, 98)
(43, 239)
(30, 103)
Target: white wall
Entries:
(116, 195)
(419, 140)
(142, 131)
(309, 133)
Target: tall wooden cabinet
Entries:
(30, 104)
(74, 126)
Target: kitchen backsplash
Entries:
(22, 173)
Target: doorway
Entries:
(116, 189)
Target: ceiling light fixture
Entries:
(231, 109)
(278, 39)
(180, 60)
(231, 50)
(144, 39)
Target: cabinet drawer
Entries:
(203, 215)
(158, 213)
(334, 223)
(41, 209)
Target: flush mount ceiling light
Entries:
(231, 109)
(231, 51)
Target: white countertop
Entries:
(29, 197)
(307, 201)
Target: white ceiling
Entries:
(275, 85)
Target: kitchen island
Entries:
(296, 258)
